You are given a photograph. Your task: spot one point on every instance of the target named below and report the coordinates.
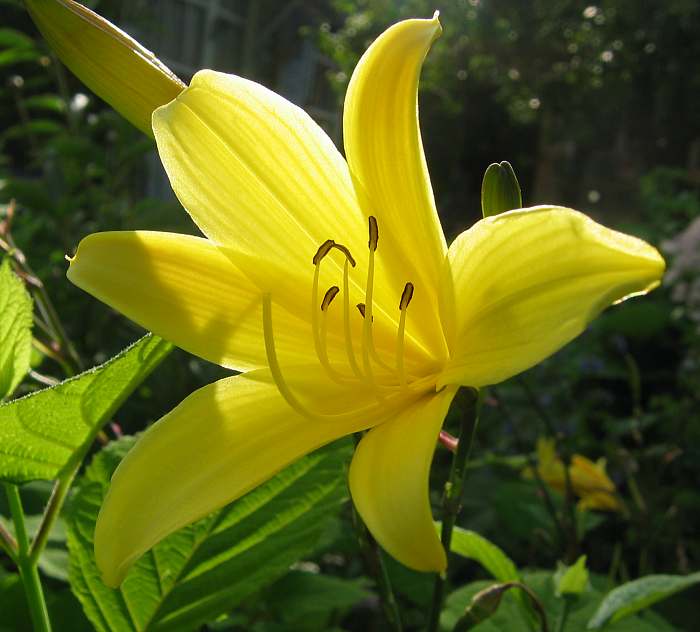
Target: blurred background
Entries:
(597, 107)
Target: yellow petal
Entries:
(219, 443)
(385, 154)
(185, 290)
(121, 71)
(588, 477)
(260, 178)
(522, 284)
(601, 501)
(389, 483)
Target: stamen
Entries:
(322, 251)
(373, 233)
(346, 251)
(361, 309)
(406, 297)
(349, 351)
(366, 309)
(319, 343)
(362, 415)
(329, 296)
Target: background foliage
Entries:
(595, 106)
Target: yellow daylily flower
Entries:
(589, 480)
(289, 224)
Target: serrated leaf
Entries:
(571, 580)
(636, 595)
(15, 330)
(300, 595)
(207, 568)
(45, 432)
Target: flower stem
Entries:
(27, 569)
(452, 496)
(375, 566)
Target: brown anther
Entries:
(406, 296)
(322, 251)
(329, 296)
(346, 252)
(361, 309)
(373, 233)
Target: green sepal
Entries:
(111, 63)
(500, 190)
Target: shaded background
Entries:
(596, 106)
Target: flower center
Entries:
(395, 383)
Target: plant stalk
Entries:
(27, 569)
(452, 496)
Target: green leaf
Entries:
(639, 594)
(500, 190)
(509, 615)
(471, 545)
(207, 568)
(304, 600)
(15, 330)
(571, 580)
(46, 432)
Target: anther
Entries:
(361, 308)
(373, 233)
(346, 251)
(406, 296)
(329, 296)
(322, 251)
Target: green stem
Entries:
(8, 543)
(53, 508)
(452, 497)
(376, 568)
(563, 615)
(27, 569)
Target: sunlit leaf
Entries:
(205, 569)
(473, 546)
(45, 432)
(15, 330)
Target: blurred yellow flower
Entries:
(285, 217)
(589, 480)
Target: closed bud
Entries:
(500, 190)
(112, 64)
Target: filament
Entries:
(349, 351)
(291, 399)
